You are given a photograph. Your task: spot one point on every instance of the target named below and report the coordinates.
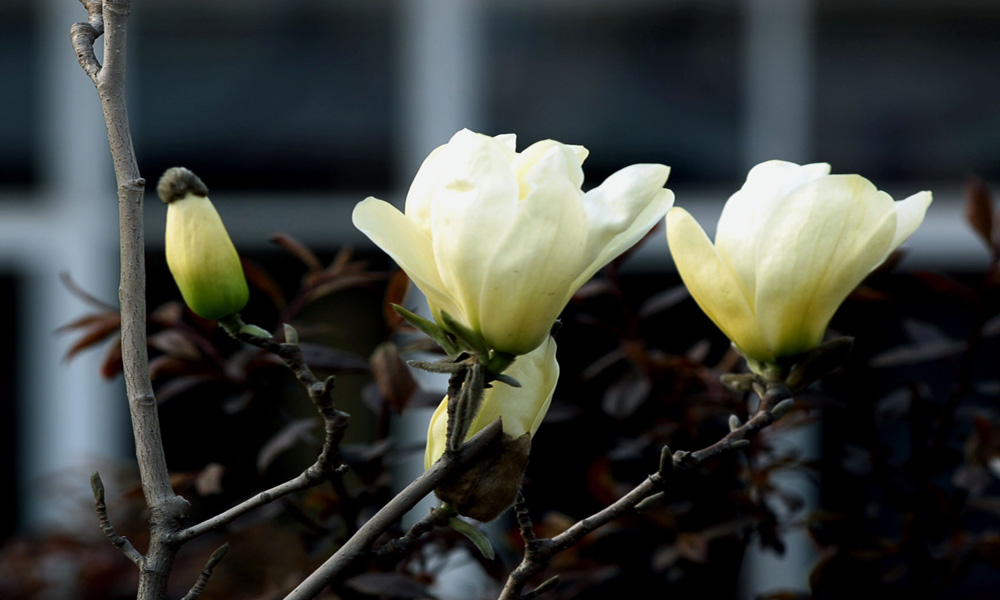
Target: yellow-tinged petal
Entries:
(712, 285)
(520, 409)
(408, 245)
(821, 241)
(743, 217)
(909, 215)
(621, 211)
(202, 258)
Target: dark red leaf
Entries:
(174, 343)
(946, 286)
(662, 301)
(96, 335)
(262, 280)
(179, 385)
(293, 247)
(88, 320)
(287, 437)
(393, 377)
(979, 208)
(342, 283)
(625, 396)
(112, 365)
(395, 293)
(79, 292)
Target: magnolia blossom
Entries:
(501, 240)
(790, 246)
(520, 408)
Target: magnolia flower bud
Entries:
(790, 246)
(200, 255)
(500, 240)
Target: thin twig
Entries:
(538, 553)
(358, 546)
(206, 573)
(524, 519)
(109, 531)
(438, 517)
(311, 477)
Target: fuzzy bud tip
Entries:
(177, 183)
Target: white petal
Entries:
(909, 215)
(521, 409)
(821, 241)
(621, 211)
(712, 285)
(739, 229)
(408, 245)
(527, 282)
(472, 209)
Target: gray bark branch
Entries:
(110, 17)
(539, 552)
(360, 543)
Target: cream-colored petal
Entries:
(620, 212)
(712, 285)
(437, 435)
(739, 230)
(820, 242)
(535, 262)
(909, 215)
(408, 245)
(472, 209)
(420, 197)
(509, 140)
(521, 409)
(545, 160)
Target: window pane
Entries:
(263, 95)
(650, 83)
(910, 92)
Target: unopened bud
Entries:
(200, 255)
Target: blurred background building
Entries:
(293, 111)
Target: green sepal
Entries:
(477, 537)
(432, 329)
(469, 339)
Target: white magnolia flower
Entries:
(521, 409)
(789, 248)
(501, 240)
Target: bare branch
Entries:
(357, 547)
(438, 517)
(775, 402)
(314, 475)
(206, 573)
(109, 531)
(83, 36)
(110, 18)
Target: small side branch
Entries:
(84, 34)
(438, 517)
(314, 475)
(206, 573)
(775, 403)
(109, 531)
(358, 546)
